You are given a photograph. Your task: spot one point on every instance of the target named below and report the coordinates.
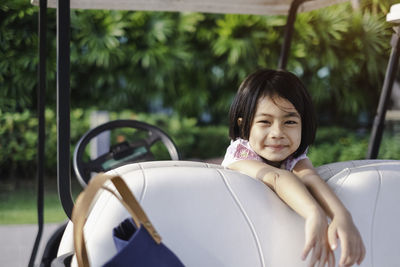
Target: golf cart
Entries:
(201, 238)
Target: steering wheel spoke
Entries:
(121, 153)
(152, 139)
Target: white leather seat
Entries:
(210, 216)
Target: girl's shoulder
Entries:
(239, 149)
(290, 162)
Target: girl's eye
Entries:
(264, 122)
(291, 122)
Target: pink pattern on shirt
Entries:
(243, 152)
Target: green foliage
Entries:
(19, 140)
(192, 63)
(335, 144)
(18, 51)
(18, 145)
(390, 148)
(188, 64)
(339, 71)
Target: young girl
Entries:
(272, 123)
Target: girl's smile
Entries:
(276, 147)
(275, 133)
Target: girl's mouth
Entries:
(276, 147)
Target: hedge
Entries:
(18, 141)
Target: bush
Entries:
(390, 148)
(335, 144)
(18, 143)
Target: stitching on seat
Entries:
(339, 187)
(373, 215)
(247, 218)
(331, 173)
(144, 188)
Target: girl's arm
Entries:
(292, 191)
(342, 226)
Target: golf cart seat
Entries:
(211, 216)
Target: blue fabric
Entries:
(137, 248)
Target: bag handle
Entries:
(84, 202)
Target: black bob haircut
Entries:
(272, 83)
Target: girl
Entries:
(272, 123)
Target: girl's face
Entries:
(275, 133)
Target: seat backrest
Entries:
(211, 216)
(329, 170)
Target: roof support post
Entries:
(41, 96)
(283, 58)
(63, 106)
(379, 121)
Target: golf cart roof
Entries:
(261, 7)
(394, 15)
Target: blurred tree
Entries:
(342, 59)
(17, 55)
(192, 63)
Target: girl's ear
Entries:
(239, 121)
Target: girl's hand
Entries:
(353, 250)
(316, 227)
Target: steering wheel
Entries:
(121, 153)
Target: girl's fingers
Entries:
(307, 248)
(323, 258)
(359, 253)
(352, 255)
(356, 254)
(344, 258)
(316, 254)
(332, 238)
(363, 252)
(345, 261)
(313, 260)
(331, 259)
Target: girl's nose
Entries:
(276, 131)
